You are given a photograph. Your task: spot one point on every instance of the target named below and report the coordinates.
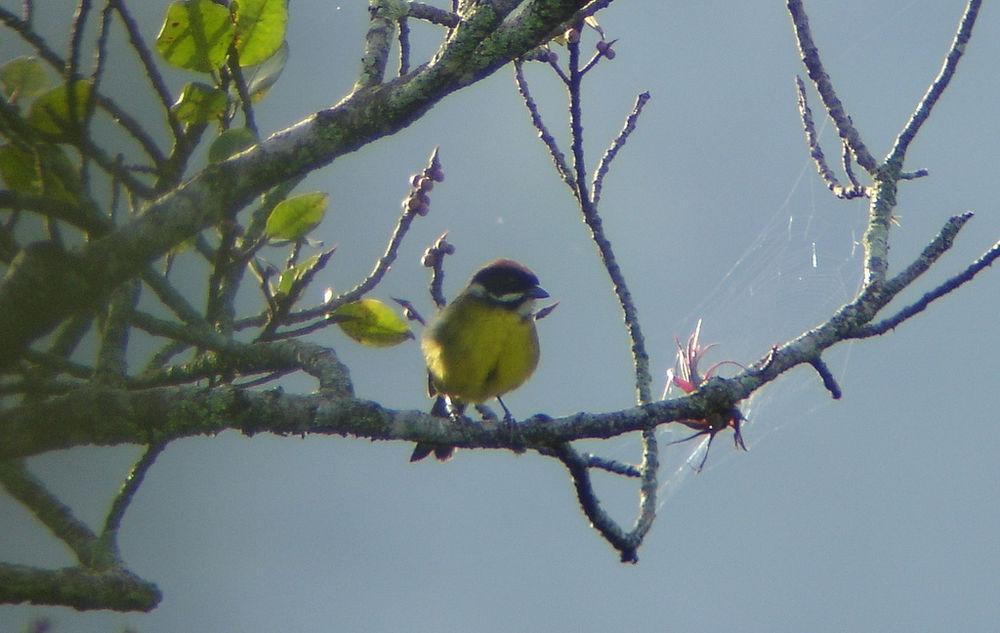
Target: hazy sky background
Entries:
(874, 513)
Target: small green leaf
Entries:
(231, 142)
(19, 170)
(291, 275)
(293, 218)
(60, 175)
(50, 112)
(195, 35)
(46, 170)
(23, 78)
(200, 103)
(260, 78)
(371, 323)
(260, 28)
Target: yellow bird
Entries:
(484, 343)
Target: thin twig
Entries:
(403, 37)
(432, 14)
(913, 175)
(111, 367)
(72, 69)
(594, 59)
(124, 497)
(246, 101)
(816, 152)
(56, 363)
(939, 84)
(413, 206)
(118, 114)
(612, 466)
(150, 67)
(592, 218)
(554, 65)
(173, 299)
(591, 505)
(617, 144)
(847, 161)
(984, 261)
(827, 376)
(56, 516)
(834, 107)
(558, 158)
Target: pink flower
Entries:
(686, 377)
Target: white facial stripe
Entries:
(526, 308)
(478, 290)
(510, 297)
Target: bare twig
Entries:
(432, 14)
(616, 145)
(591, 505)
(640, 358)
(57, 517)
(118, 114)
(931, 253)
(72, 68)
(612, 466)
(558, 158)
(124, 497)
(415, 204)
(847, 161)
(816, 152)
(403, 37)
(246, 101)
(827, 376)
(810, 57)
(939, 84)
(151, 69)
(112, 366)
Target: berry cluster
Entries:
(419, 202)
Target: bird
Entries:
(483, 344)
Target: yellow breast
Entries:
(476, 351)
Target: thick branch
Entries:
(115, 589)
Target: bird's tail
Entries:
(442, 452)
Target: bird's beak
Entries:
(537, 292)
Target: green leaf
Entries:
(231, 142)
(260, 78)
(371, 323)
(260, 28)
(289, 276)
(293, 218)
(19, 170)
(46, 170)
(60, 175)
(195, 35)
(200, 103)
(23, 77)
(50, 112)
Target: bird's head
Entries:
(507, 283)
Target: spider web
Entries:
(803, 264)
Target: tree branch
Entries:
(475, 50)
(116, 589)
